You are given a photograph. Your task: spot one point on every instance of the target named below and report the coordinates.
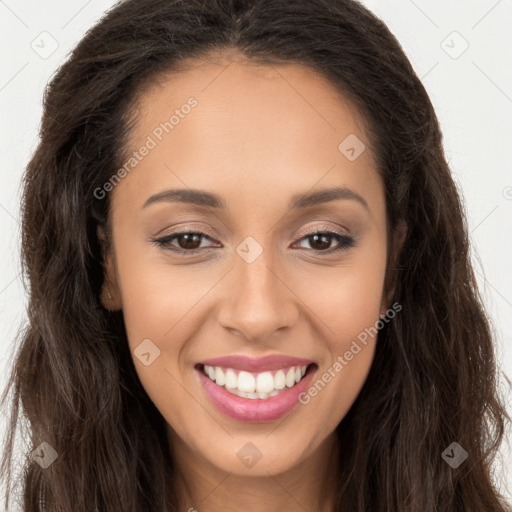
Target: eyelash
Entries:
(346, 241)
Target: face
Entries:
(228, 259)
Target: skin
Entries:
(258, 136)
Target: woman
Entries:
(250, 286)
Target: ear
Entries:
(399, 235)
(110, 297)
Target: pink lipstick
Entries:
(255, 390)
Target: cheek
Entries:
(346, 298)
(348, 304)
(158, 298)
(158, 312)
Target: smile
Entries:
(255, 385)
(255, 390)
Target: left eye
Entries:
(190, 242)
(323, 238)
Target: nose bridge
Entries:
(259, 303)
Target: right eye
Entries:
(189, 242)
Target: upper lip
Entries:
(250, 364)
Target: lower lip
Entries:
(259, 409)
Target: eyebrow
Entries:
(300, 201)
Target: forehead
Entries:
(234, 89)
(218, 124)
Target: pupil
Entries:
(189, 240)
(325, 245)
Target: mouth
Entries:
(255, 390)
(261, 385)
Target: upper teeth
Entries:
(255, 385)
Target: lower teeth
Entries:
(254, 395)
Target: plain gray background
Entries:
(461, 51)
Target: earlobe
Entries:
(109, 300)
(399, 236)
(109, 297)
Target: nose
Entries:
(259, 301)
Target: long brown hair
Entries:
(433, 381)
